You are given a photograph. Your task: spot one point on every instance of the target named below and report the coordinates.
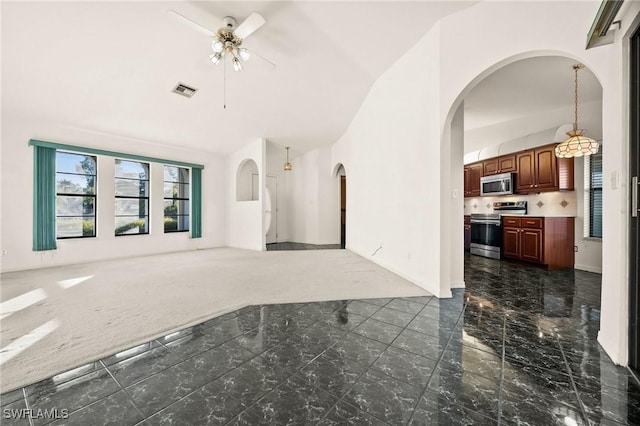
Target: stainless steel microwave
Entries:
(502, 184)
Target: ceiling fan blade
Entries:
(263, 58)
(192, 24)
(252, 23)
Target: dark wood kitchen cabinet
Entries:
(503, 164)
(543, 240)
(472, 175)
(538, 170)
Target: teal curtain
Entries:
(196, 203)
(44, 198)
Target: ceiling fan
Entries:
(227, 41)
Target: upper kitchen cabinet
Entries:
(540, 171)
(504, 164)
(472, 175)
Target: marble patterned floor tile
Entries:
(145, 364)
(11, 396)
(406, 366)
(362, 308)
(116, 409)
(335, 376)
(294, 402)
(377, 301)
(378, 330)
(260, 339)
(162, 389)
(417, 361)
(343, 320)
(613, 404)
(208, 366)
(392, 316)
(399, 397)
(420, 344)
(357, 348)
(404, 305)
(473, 361)
(346, 414)
(435, 409)
(73, 394)
(290, 357)
(532, 409)
(430, 326)
(252, 380)
(206, 406)
(474, 393)
(14, 413)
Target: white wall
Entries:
(479, 38)
(314, 199)
(17, 201)
(400, 139)
(245, 224)
(391, 154)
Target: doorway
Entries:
(634, 226)
(271, 209)
(343, 211)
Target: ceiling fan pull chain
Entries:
(224, 88)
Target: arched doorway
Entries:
(342, 176)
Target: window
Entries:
(176, 199)
(132, 197)
(593, 193)
(75, 195)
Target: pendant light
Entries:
(287, 165)
(577, 145)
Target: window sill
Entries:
(597, 240)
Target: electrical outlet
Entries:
(575, 249)
(4, 252)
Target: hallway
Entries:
(516, 347)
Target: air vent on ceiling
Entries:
(184, 90)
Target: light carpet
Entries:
(82, 313)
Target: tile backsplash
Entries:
(544, 204)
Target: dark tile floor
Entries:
(516, 347)
(300, 246)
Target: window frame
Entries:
(180, 182)
(83, 195)
(590, 190)
(147, 197)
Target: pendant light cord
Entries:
(576, 67)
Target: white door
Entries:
(271, 209)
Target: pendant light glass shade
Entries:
(287, 164)
(577, 145)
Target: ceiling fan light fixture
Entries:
(237, 66)
(215, 58)
(217, 46)
(244, 54)
(577, 145)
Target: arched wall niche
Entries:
(247, 181)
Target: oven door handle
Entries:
(486, 222)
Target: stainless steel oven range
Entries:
(486, 228)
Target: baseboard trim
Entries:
(588, 268)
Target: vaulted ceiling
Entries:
(111, 67)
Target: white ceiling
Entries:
(111, 66)
(539, 88)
